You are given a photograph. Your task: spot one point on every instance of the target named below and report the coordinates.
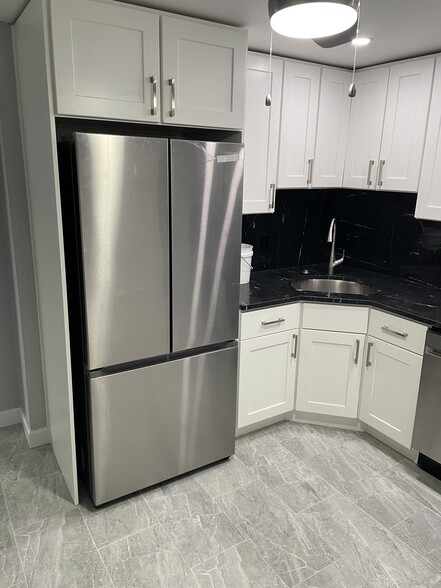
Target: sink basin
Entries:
(332, 285)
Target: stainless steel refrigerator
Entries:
(160, 226)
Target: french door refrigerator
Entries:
(160, 230)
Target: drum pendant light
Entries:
(311, 19)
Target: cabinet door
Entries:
(390, 390)
(405, 124)
(429, 193)
(365, 129)
(203, 74)
(332, 129)
(267, 374)
(261, 134)
(301, 84)
(106, 59)
(330, 373)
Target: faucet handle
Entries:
(341, 260)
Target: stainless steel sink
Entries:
(332, 285)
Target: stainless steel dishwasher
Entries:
(427, 431)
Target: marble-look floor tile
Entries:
(263, 450)
(11, 572)
(224, 477)
(419, 484)
(59, 553)
(372, 452)
(12, 441)
(422, 532)
(238, 567)
(11, 433)
(147, 560)
(367, 547)
(115, 521)
(35, 462)
(195, 524)
(337, 575)
(295, 483)
(292, 549)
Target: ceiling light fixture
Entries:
(361, 41)
(311, 19)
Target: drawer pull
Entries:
(276, 322)
(368, 356)
(294, 346)
(386, 329)
(357, 351)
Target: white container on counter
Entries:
(245, 263)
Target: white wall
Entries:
(33, 401)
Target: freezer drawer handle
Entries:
(154, 82)
(172, 84)
(386, 329)
(368, 357)
(276, 322)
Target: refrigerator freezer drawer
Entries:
(154, 423)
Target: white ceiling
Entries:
(401, 28)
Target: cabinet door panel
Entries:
(329, 373)
(429, 193)
(365, 129)
(267, 371)
(332, 129)
(208, 66)
(405, 124)
(104, 58)
(261, 133)
(390, 390)
(301, 85)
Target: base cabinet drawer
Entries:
(390, 390)
(330, 373)
(269, 320)
(398, 331)
(267, 375)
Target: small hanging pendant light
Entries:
(352, 92)
(268, 99)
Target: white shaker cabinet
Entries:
(429, 193)
(300, 98)
(330, 371)
(267, 375)
(332, 129)
(390, 390)
(203, 73)
(261, 133)
(106, 61)
(365, 129)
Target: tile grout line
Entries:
(96, 547)
(15, 538)
(172, 543)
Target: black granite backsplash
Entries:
(378, 231)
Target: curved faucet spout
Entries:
(331, 239)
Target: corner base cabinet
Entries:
(390, 390)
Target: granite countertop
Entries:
(413, 300)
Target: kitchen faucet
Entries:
(331, 239)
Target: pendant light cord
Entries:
(356, 45)
(268, 98)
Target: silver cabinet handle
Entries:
(380, 171)
(154, 83)
(368, 356)
(386, 329)
(294, 346)
(357, 351)
(272, 189)
(310, 165)
(371, 165)
(276, 322)
(172, 84)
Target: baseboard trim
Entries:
(35, 437)
(10, 417)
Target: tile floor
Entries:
(297, 506)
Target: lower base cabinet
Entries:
(330, 373)
(267, 377)
(390, 390)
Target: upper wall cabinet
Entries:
(107, 65)
(261, 133)
(389, 157)
(106, 61)
(429, 194)
(203, 74)
(314, 125)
